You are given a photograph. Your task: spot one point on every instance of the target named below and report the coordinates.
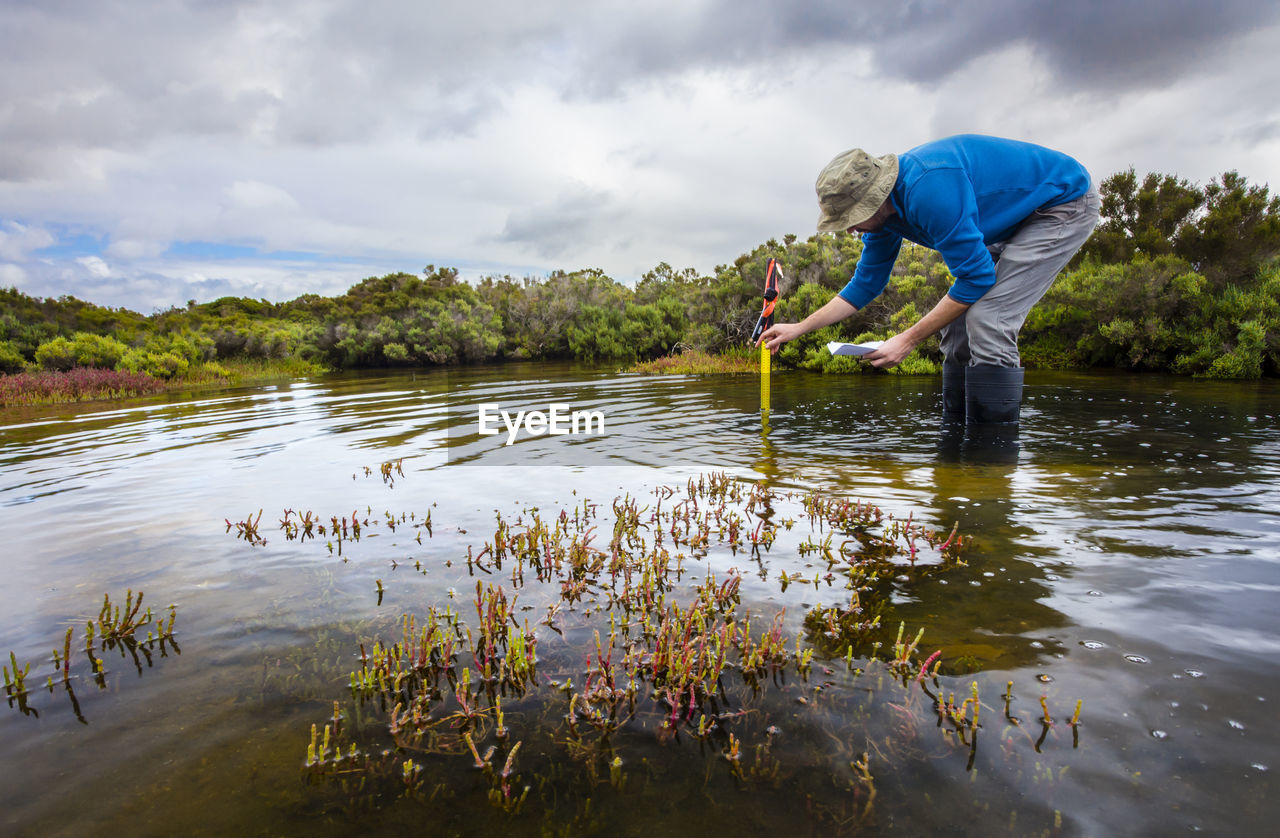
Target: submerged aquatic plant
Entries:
(15, 682)
(114, 624)
(248, 529)
(666, 655)
(116, 628)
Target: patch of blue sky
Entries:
(75, 242)
(224, 251)
(71, 243)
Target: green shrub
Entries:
(917, 364)
(156, 364)
(11, 359)
(1244, 360)
(81, 350)
(57, 355)
(215, 370)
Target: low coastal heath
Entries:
(557, 420)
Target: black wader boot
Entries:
(953, 391)
(951, 433)
(993, 395)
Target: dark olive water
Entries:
(1126, 553)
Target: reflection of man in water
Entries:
(1006, 216)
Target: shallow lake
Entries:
(1123, 552)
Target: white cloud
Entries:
(95, 266)
(18, 241)
(12, 276)
(253, 194)
(130, 250)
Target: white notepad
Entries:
(835, 347)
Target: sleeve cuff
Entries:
(856, 297)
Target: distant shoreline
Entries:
(86, 384)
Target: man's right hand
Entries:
(778, 334)
(834, 311)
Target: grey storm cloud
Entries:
(115, 74)
(1087, 43)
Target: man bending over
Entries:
(1006, 216)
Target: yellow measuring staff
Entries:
(771, 274)
(764, 377)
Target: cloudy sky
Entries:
(154, 151)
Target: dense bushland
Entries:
(1177, 277)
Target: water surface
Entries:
(1126, 552)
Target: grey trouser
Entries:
(1026, 265)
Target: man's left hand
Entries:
(891, 352)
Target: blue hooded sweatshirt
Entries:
(958, 195)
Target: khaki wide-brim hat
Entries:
(852, 187)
